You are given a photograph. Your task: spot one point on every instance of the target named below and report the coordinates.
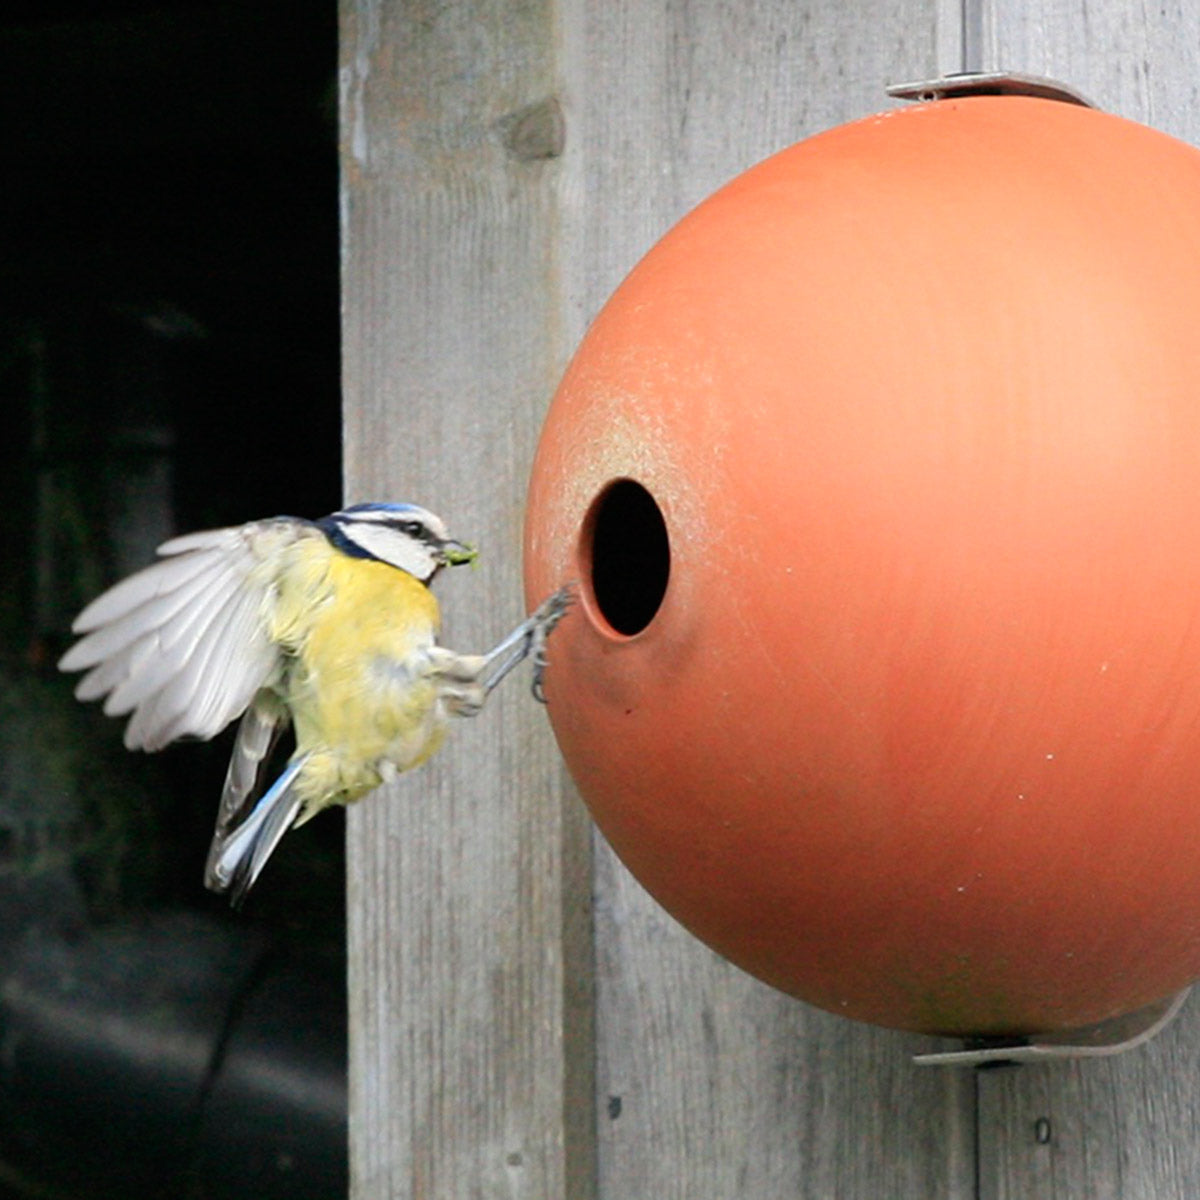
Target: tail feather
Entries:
(240, 851)
(260, 727)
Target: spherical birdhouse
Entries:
(880, 476)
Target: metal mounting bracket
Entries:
(988, 83)
(1113, 1036)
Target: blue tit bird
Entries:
(329, 625)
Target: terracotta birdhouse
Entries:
(880, 476)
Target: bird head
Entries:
(402, 535)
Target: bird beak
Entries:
(454, 554)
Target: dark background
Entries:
(168, 361)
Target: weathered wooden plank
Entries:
(711, 1085)
(1125, 1127)
(1141, 61)
(470, 962)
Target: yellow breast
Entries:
(358, 632)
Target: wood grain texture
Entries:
(669, 101)
(470, 961)
(1126, 1127)
(711, 1085)
(1138, 60)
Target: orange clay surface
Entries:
(915, 732)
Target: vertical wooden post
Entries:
(470, 961)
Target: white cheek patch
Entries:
(391, 546)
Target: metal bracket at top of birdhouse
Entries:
(1113, 1036)
(988, 83)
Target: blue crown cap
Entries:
(378, 506)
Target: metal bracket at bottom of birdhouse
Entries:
(1113, 1036)
(988, 83)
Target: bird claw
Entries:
(542, 623)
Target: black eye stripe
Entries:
(414, 529)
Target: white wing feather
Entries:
(181, 705)
(184, 645)
(168, 576)
(154, 656)
(232, 660)
(110, 642)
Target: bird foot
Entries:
(542, 624)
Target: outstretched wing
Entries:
(184, 645)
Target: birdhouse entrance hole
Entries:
(626, 544)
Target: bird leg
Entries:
(466, 680)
